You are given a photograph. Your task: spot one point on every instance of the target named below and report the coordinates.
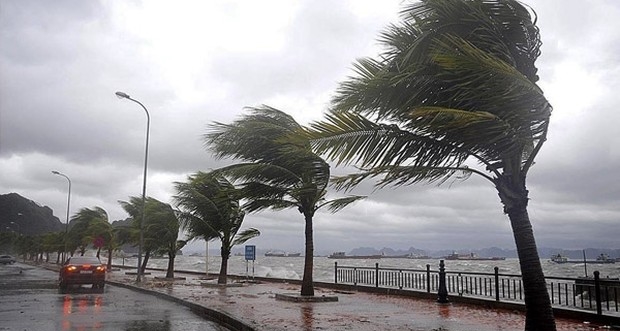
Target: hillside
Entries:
(27, 217)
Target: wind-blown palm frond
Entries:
(456, 83)
(335, 205)
(457, 86)
(279, 170)
(245, 235)
(209, 208)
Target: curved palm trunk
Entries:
(170, 270)
(224, 265)
(109, 264)
(147, 255)
(539, 313)
(307, 284)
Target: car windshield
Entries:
(83, 260)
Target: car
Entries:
(7, 259)
(82, 270)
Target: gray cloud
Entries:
(194, 63)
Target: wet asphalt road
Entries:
(30, 300)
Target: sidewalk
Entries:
(254, 304)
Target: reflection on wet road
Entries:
(30, 300)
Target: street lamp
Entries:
(68, 207)
(123, 95)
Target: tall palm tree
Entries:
(210, 209)
(160, 228)
(103, 236)
(454, 94)
(163, 231)
(80, 234)
(279, 170)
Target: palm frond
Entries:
(336, 205)
(255, 205)
(351, 138)
(245, 235)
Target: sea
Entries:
(292, 267)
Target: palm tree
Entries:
(162, 231)
(210, 209)
(103, 236)
(280, 170)
(160, 227)
(455, 87)
(80, 234)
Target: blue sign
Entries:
(250, 252)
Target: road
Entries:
(30, 300)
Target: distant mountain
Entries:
(27, 217)
(543, 252)
(386, 251)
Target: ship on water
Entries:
(343, 255)
(281, 254)
(601, 259)
(471, 257)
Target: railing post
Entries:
(428, 278)
(597, 293)
(442, 292)
(377, 274)
(335, 272)
(496, 283)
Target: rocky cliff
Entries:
(27, 217)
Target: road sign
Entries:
(250, 252)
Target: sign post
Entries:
(250, 255)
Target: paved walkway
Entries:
(255, 305)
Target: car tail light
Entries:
(100, 268)
(71, 268)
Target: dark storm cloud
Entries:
(62, 61)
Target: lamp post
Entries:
(64, 253)
(123, 95)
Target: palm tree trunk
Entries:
(147, 254)
(307, 284)
(170, 270)
(225, 253)
(539, 314)
(514, 197)
(109, 264)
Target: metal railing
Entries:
(591, 293)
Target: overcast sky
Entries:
(194, 62)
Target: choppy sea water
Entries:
(292, 267)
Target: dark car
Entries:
(82, 270)
(7, 259)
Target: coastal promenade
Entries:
(253, 306)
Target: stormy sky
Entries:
(194, 62)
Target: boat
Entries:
(471, 257)
(601, 259)
(419, 257)
(559, 258)
(281, 254)
(604, 258)
(343, 255)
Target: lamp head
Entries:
(55, 172)
(122, 95)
